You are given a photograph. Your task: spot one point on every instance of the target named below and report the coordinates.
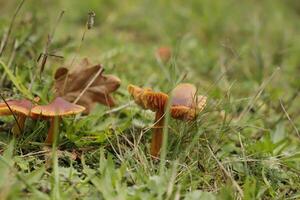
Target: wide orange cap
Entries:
(148, 99)
(23, 106)
(58, 107)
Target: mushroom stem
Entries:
(157, 136)
(19, 125)
(52, 130)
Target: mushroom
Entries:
(56, 109)
(155, 101)
(21, 108)
(164, 53)
(184, 106)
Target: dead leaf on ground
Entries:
(69, 85)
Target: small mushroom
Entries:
(184, 106)
(21, 108)
(164, 53)
(155, 101)
(56, 109)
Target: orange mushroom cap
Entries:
(17, 106)
(164, 53)
(185, 104)
(147, 98)
(58, 107)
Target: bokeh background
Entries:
(244, 55)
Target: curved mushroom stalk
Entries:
(157, 135)
(52, 131)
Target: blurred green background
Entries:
(244, 55)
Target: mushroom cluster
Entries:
(88, 86)
(184, 105)
(25, 108)
(85, 86)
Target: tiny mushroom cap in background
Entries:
(185, 105)
(164, 53)
(56, 109)
(21, 108)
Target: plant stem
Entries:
(51, 137)
(157, 136)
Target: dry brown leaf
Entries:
(69, 85)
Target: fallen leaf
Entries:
(69, 85)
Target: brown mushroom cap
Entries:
(58, 107)
(185, 104)
(147, 98)
(164, 53)
(184, 95)
(17, 106)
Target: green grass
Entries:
(243, 55)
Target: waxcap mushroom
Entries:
(148, 99)
(185, 103)
(21, 108)
(55, 110)
(164, 53)
(155, 101)
(58, 107)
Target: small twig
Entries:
(119, 108)
(35, 153)
(288, 104)
(99, 72)
(289, 118)
(89, 24)
(6, 37)
(235, 184)
(45, 54)
(49, 54)
(257, 95)
(49, 40)
(243, 152)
